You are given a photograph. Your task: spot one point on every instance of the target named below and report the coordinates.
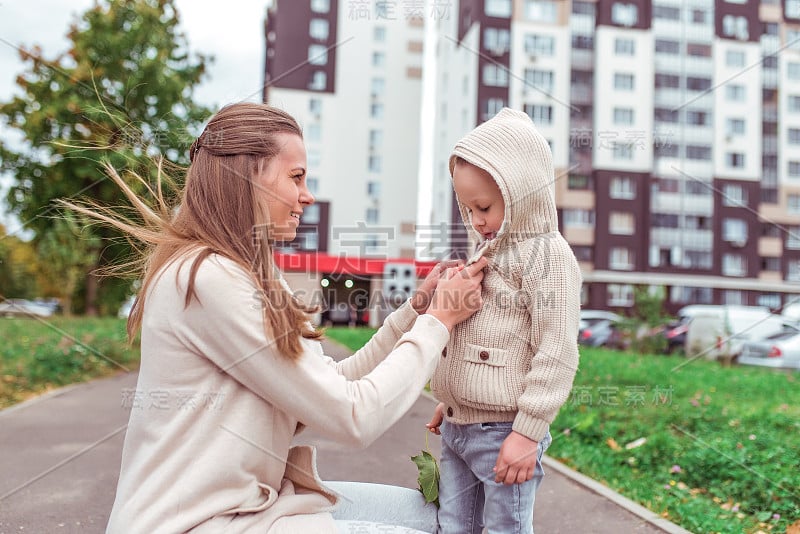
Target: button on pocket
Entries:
(486, 379)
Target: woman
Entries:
(218, 322)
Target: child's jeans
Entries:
(469, 498)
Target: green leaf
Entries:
(764, 516)
(428, 476)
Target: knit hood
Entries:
(514, 153)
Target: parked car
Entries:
(597, 328)
(720, 332)
(780, 350)
(27, 308)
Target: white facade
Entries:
(368, 173)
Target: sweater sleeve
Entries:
(551, 282)
(224, 324)
(381, 344)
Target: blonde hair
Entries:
(222, 211)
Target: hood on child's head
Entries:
(514, 153)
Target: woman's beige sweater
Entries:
(208, 446)
(516, 358)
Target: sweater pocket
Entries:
(486, 379)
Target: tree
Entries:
(18, 264)
(122, 93)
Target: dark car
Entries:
(597, 328)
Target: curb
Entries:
(596, 487)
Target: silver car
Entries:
(780, 350)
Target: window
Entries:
(318, 29)
(793, 203)
(313, 186)
(311, 213)
(493, 107)
(699, 16)
(664, 220)
(770, 264)
(666, 12)
(769, 62)
(735, 160)
(697, 118)
(582, 253)
(770, 300)
(792, 39)
(794, 169)
(317, 54)
(320, 6)
(496, 40)
(539, 114)
(672, 81)
(735, 127)
(698, 50)
(540, 45)
(541, 11)
(620, 294)
(793, 71)
(313, 132)
(374, 164)
(379, 34)
(624, 47)
(378, 59)
(372, 215)
(497, 8)
(373, 189)
(698, 84)
(578, 218)
(376, 110)
(734, 230)
(791, 9)
(378, 85)
(735, 27)
(314, 159)
(698, 187)
(623, 151)
(698, 152)
(579, 182)
(319, 81)
(666, 115)
(698, 259)
(734, 265)
(665, 46)
(623, 82)
(315, 106)
(734, 92)
(734, 58)
(623, 116)
(624, 14)
(583, 8)
(582, 42)
(620, 259)
(375, 138)
(794, 103)
(793, 238)
(540, 79)
(495, 75)
(794, 136)
(622, 187)
(734, 195)
(771, 28)
(621, 223)
(732, 297)
(667, 150)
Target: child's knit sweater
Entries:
(515, 359)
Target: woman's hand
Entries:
(424, 293)
(436, 420)
(458, 294)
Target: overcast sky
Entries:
(231, 31)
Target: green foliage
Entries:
(428, 478)
(17, 267)
(643, 329)
(352, 338)
(721, 453)
(36, 356)
(122, 93)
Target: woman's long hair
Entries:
(222, 211)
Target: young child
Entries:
(507, 370)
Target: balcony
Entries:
(581, 94)
(682, 203)
(677, 237)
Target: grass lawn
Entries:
(712, 449)
(36, 356)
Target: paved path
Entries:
(60, 456)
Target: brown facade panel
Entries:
(636, 14)
(289, 38)
(728, 209)
(489, 58)
(729, 28)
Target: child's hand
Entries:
(424, 293)
(517, 459)
(436, 420)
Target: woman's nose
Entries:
(306, 197)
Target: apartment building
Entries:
(675, 131)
